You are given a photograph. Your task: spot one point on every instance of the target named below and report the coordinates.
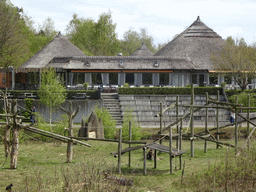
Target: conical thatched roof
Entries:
(142, 51)
(60, 46)
(196, 44)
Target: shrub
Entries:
(86, 85)
(168, 90)
(108, 122)
(136, 129)
(126, 85)
(242, 99)
(28, 106)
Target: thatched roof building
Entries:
(60, 46)
(142, 51)
(196, 44)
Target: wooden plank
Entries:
(110, 140)
(56, 135)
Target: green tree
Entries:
(81, 33)
(13, 44)
(106, 41)
(237, 60)
(108, 122)
(51, 92)
(94, 38)
(47, 28)
(136, 129)
(230, 40)
(132, 40)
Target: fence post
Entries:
(130, 139)
(206, 122)
(177, 118)
(192, 121)
(248, 117)
(217, 119)
(119, 150)
(170, 149)
(145, 160)
(236, 131)
(161, 123)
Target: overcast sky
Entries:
(163, 19)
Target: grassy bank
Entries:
(42, 167)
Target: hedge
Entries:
(70, 93)
(168, 90)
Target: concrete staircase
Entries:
(111, 103)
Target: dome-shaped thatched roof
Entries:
(60, 46)
(142, 51)
(196, 44)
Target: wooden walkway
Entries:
(155, 146)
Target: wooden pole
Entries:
(155, 165)
(192, 121)
(248, 117)
(145, 160)
(206, 122)
(236, 130)
(217, 118)
(130, 139)
(161, 118)
(180, 157)
(15, 137)
(170, 149)
(177, 117)
(119, 151)
(71, 115)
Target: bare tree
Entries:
(238, 60)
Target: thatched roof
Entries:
(121, 63)
(196, 44)
(142, 51)
(60, 46)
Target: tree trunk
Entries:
(7, 143)
(15, 147)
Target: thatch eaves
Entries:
(121, 63)
(142, 52)
(60, 46)
(196, 44)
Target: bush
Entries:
(108, 122)
(136, 129)
(168, 90)
(242, 99)
(28, 106)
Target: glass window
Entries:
(96, 78)
(78, 78)
(164, 78)
(147, 78)
(228, 78)
(194, 78)
(113, 78)
(129, 78)
(33, 78)
(213, 79)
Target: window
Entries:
(164, 78)
(113, 78)
(228, 78)
(147, 78)
(129, 78)
(78, 78)
(213, 79)
(194, 78)
(96, 78)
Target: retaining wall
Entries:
(145, 107)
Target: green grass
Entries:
(42, 167)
